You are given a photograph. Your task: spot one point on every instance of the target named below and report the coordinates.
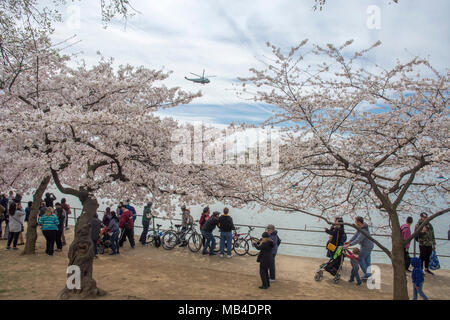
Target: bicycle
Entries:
(243, 243)
(172, 238)
(240, 243)
(155, 237)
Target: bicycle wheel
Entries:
(169, 240)
(240, 247)
(252, 251)
(150, 240)
(195, 242)
(217, 247)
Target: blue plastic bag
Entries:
(434, 261)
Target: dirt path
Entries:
(155, 273)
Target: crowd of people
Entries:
(53, 218)
(361, 257)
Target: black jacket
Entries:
(265, 254)
(61, 218)
(338, 235)
(211, 224)
(226, 223)
(96, 226)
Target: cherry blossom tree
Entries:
(357, 139)
(94, 131)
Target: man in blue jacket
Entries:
(366, 246)
(273, 234)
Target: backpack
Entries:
(278, 240)
(434, 261)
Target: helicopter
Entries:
(202, 79)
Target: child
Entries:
(354, 260)
(417, 277)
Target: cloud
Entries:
(226, 38)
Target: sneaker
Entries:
(351, 281)
(8, 248)
(221, 255)
(204, 253)
(229, 257)
(15, 248)
(428, 271)
(359, 283)
(213, 254)
(272, 280)
(262, 287)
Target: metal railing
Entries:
(74, 211)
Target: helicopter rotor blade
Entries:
(195, 74)
(210, 76)
(203, 73)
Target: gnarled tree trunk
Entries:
(81, 253)
(398, 260)
(31, 236)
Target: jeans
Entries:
(13, 237)
(419, 291)
(264, 274)
(50, 236)
(115, 241)
(225, 236)
(272, 268)
(6, 234)
(365, 261)
(143, 238)
(355, 274)
(210, 242)
(425, 253)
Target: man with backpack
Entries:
(127, 226)
(273, 234)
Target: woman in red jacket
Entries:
(127, 226)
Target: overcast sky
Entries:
(228, 37)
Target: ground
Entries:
(155, 273)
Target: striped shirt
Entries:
(49, 222)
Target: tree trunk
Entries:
(31, 236)
(81, 253)
(398, 260)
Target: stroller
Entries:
(333, 266)
(104, 241)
